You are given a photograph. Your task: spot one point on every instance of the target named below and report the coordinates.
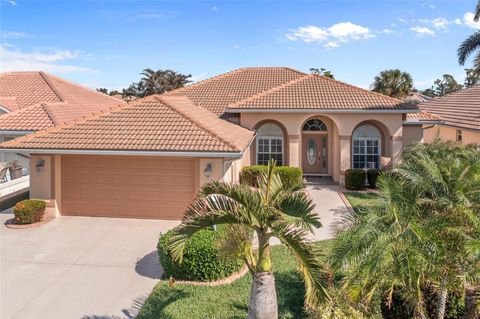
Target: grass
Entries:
(359, 200)
(230, 301)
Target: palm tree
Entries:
(381, 249)
(393, 83)
(271, 210)
(447, 177)
(161, 81)
(471, 44)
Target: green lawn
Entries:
(229, 301)
(359, 200)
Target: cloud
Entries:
(51, 60)
(14, 35)
(332, 36)
(422, 31)
(468, 21)
(214, 8)
(11, 2)
(386, 31)
(440, 23)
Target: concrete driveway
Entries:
(78, 267)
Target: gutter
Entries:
(233, 155)
(256, 110)
(421, 122)
(6, 132)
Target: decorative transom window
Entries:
(366, 145)
(269, 144)
(314, 125)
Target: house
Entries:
(460, 112)
(33, 101)
(416, 97)
(148, 159)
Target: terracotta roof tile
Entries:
(422, 116)
(63, 101)
(156, 123)
(460, 109)
(217, 92)
(319, 92)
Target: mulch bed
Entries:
(11, 223)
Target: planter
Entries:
(15, 172)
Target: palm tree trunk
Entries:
(442, 299)
(471, 311)
(263, 297)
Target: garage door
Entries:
(121, 186)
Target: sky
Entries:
(108, 43)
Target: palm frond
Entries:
(467, 47)
(301, 210)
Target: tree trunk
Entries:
(471, 311)
(263, 297)
(442, 299)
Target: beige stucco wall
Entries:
(41, 183)
(340, 127)
(412, 134)
(448, 133)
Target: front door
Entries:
(315, 154)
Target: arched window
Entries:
(314, 125)
(269, 144)
(366, 143)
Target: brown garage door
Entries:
(123, 186)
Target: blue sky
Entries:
(107, 43)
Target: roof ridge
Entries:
(271, 90)
(43, 105)
(51, 86)
(80, 85)
(216, 77)
(80, 120)
(197, 123)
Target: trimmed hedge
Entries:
(355, 178)
(29, 211)
(201, 257)
(292, 176)
(372, 176)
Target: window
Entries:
(314, 125)
(459, 136)
(366, 143)
(269, 144)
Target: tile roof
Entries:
(43, 100)
(319, 92)
(155, 123)
(422, 117)
(460, 109)
(217, 92)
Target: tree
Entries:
(472, 77)
(102, 90)
(271, 210)
(471, 44)
(447, 178)
(161, 81)
(446, 85)
(322, 71)
(393, 83)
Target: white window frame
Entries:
(269, 138)
(364, 153)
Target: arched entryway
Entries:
(314, 147)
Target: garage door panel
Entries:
(115, 186)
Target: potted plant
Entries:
(15, 170)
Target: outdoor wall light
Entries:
(40, 165)
(208, 170)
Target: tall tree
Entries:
(271, 210)
(394, 83)
(161, 81)
(471, 45)
(102, 90)
(446, 85)
(472, 77)
(322, 71)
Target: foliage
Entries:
(393, 83)
(323, 72)
(472, 77)
(471, 45)
(230, 301)
(271, 210)
(372, 176)
(156, 82)
(355, 178)
(202, 260)
(446, 85)
(290, 176)
(29, 211)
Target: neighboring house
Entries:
(415, 97)
(460, 113)
(149, 158)
(33, 101)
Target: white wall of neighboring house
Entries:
(22, 158)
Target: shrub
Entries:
(372, 176)
(29, 211)
(201, 257)
(292, 176)
(355, 178)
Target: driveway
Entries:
(78, 267)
